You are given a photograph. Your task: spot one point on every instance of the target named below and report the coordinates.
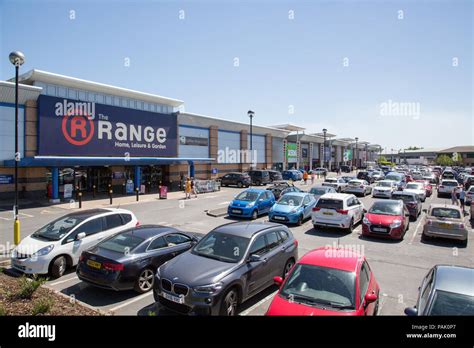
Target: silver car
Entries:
(384, 188)
(445, 221)
(358, 187)
(418, 188)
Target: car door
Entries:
(269, 199)
(225, 180)
(364, 288)
(92, 229)
(257, 272)
(425, 292)
(178, 243)
(274, 255)
(358, 209)
(158, 252)
(112, 224)
(308, 203)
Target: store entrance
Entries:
(153, 176)
(100, 177)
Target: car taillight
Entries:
(461, 225)
(361, 186)
(341, 211)
(112, 266)
(295, 243)
(441, 186)
(429, 222)
(81, 258)
(137, 224)
(316, 209)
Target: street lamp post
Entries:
(324, 147)
(17, 59)
(356, 153)
(250, 113)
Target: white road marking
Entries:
(126, 303)
(416, 230)
(222, 203)
(382, 302)
(64, 280)
(259, 303)
(6, 219)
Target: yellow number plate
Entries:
(327, 213)
(93, 264)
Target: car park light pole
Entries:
(324, 147)
(356, 153)
(250, 114)
(17, 59)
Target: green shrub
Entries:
(3, 311)
(42, 306)
(29, 286)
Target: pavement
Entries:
(399, 266)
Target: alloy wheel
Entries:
(231, 303)
(145, 280)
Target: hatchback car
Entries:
(128, 260)
(384, 189)
(446, 187)
(365, 175)
(418, 188)
(445, 221)
(327, 281)
(236, 179)
(279, 188)
(398, 178)
(231, 264)
(292, 174)
(339, 184)
(469, 195)
(358, 187)
(275, 175)
(293, 208)
(388, 218)
(58, 245)
(318, 190)
(427, 186)
(412, 202)
(338, 210)
(259, 177)
(445, 290)
(251, 203)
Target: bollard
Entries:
(93, 191)
(124, 190)
(76, 192)
(80, 199)
(148, 187)
(137, 190)
(110, 196)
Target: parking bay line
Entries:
(259, 303)
(64, 281)
(222, 203)
(416, 230)
(126, 303)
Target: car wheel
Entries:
(145, 281)
(350, 229)
(58, 267)
(464, 243)
(300, 220)
(239, 184)
(376, 308)
(288, 266)
(254, 214)
(338, 190)
(230, 303)
(424, 237)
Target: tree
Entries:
(382, 159)
(414, 148)
(444, 160)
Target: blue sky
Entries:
(284, 64)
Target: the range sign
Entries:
(73, 128)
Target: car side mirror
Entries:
(80, 235)
(254, 258)
(411, 311)
(369, 298)
(278, 280)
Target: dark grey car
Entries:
(229, 265)
(445, 290)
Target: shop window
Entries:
(91, 97)
(117, 101)
(124, 102)
(72, 93)
(100, 98)
(108, 99)
(82, 95)
(51, 90)
(62, 92)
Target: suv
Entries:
(339, 184)
(447, 186)
(259, 177)
(58, 245)
(345, 169)
(231, 264)
(339, 210)
(275, 175)
(237, 179)
(292, 174)
(365, 175)
(412, 202)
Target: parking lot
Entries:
(399, 266)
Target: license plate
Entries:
(378, 229)
(172, 298)
(236, 211)
(93, 264)
(444, 225)
(279, 218)
(327, 213)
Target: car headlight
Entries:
(158, 273)
(366, 221)
(210, 288)
(44, 251)
(396, 223)
(251, 204)
(14, 253)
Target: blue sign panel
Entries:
(73, 128)
(214, 171)
(6, 179)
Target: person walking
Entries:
(187, 188)
(312, 177)
(193, 188)
(454, 196)
(462, 196)
(305, 177)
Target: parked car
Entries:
(427, 187)
(259, 177)
(412, 202)
(338, 210)
(449, 174)
(365, 175)
(445, 290)
(324, 284)
(345, 169)
(418, 188)
(338, 184)
(445, 221)
(389, 219)
(58, 245)
(275, 175)
(129, 259)
(293, 208)
(236, 179)
(468, 181)
(469, 195)
(318, 190)
(398, 178)
(348, 178)
(384, 189)
(251, 203)
(292, 174)
(446, 187)
(231, 264)
(358, 187)
(278, 187)
(377, 175)
(320, 171)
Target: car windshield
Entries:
(318, 191)
(290, 200)
(384, 184)
(122, 243)
(405, 198)
(58, 228)
(386, 208)
(414, 186)
(393, 177)
(355, 183)
(449, 303)
(249, 196)
(329, 203)
(314, 285)
(330, 180)
(446, 213)
(449, 183)
(222, 247)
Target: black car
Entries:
(236, 179)
(412, 202)
(278, 187)
(364, 175)
(229, 265)
(259, 177)
(129, 259)
(345, 169)
(275, 175)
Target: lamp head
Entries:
(17, 58)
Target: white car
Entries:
(446, 187)
(470, 195)
(418, 188)
(358, 187)
(384, 188)
(58, 245)
(339, 210)
(339, 184)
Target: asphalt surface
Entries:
(399, 266)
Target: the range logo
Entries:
(78, 121)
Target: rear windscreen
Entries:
(329, 203)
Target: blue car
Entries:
(293, 208)
(292, 174)
(251, 203)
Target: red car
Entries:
(408, 178)
(387, 218)
(327, 281)
(428, 187)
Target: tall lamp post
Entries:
(17, 59)
(250, 114)
(356, 153)
(324, 147)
